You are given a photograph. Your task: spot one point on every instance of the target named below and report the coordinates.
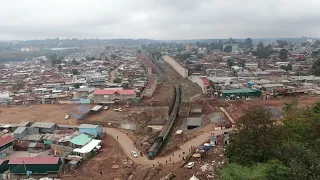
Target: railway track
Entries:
(156, 146)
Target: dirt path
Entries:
(128, 146)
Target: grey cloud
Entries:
(158, 19)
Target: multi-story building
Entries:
(183, 71)
(203, 82)
(151, 86)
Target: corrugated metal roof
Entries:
(34, 160)
(110, 92)
(19, 130)
(42, 125)
(5, 140)
(88, 126)
(235, 91)
(81, 139)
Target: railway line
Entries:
(156, 146)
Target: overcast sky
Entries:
(158, 19)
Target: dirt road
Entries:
(128, 146)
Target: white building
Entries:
(178, 67)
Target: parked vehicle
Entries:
(134, 154)
(66, 117)
(106, 107)
(190, 165)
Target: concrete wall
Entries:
(180, 69)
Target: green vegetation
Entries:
(282, 43)
(75, 72)
(263, 148)
(117, 80)
(248, 43)
(227, 49)
(283, 54)
(316, 68)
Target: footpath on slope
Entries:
(128, 146)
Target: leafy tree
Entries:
(59, 67)
(197, 67)
(242, 63)
(283, 54)
(87, 58)
(317, 43)
(289, 67)
(230, 62)
(304, 44)
(55, 59)
(227, 49)
(139, 51)
(257, 139)
(117, 80)
(315, 54)
(200, 56)
(113, 56)
(316, 68)
(231, 41)
(248, 43)
(75, 71)
(263, 52)
(77, 85)
(74, 62)
(271, 170)
(282, 43)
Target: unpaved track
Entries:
(128, 146)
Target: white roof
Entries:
(89, 147)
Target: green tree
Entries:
(227, 49)
(257, 139)
(283, 54)
(75, 71)
(113, 56)
(59, 67)
(263, 52)
(117, 80)
(316, 68)
(282, 43)
(74, 62)
(248, 43)
(200, 56)
(271, 170)
(289, 67)
(230, 62)
(139, 51)
(317, 43)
